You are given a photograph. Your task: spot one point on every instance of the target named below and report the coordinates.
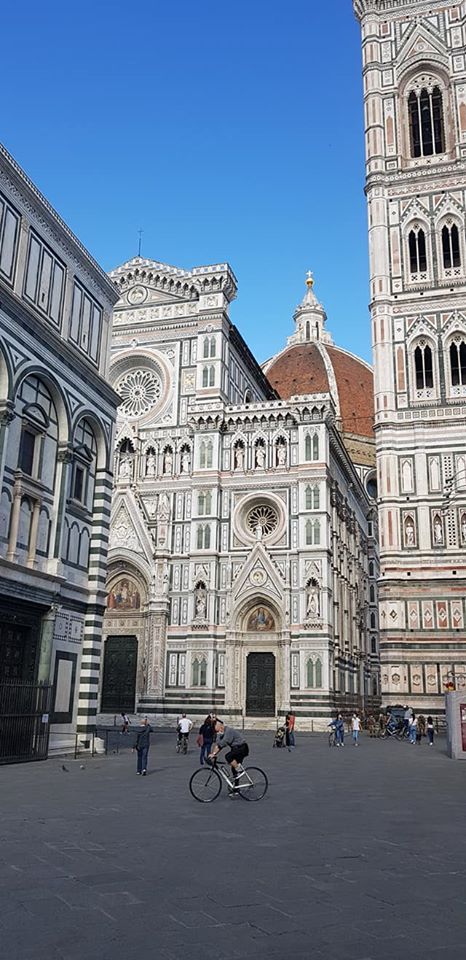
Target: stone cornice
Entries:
(384, 8)
(40, 206)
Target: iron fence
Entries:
(24, 721)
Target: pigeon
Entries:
(64, 768)
(81, 766)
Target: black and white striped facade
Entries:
(240, 527)
(56, 452)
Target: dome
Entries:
(311, 363)
(314, 367)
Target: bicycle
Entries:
(205, 784)
(182, 743)
(332, 738)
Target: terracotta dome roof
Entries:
(316, 367)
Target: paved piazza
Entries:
(355, 854)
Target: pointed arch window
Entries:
(451, 246)
(318, 672)
(423, 367)
(311, 447)
(310, 673)
(312, 496)
(206, 454)
(312, 532)
(206, 348)
(199, 672)
(458, 363)
(195, 673)
(205, 377)
(426, 121)
(309, 532)
(203, 537)
(417, 251)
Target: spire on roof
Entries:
(310, 317)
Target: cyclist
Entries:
(229, 737)
(184, 727)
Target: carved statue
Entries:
(239, 457)
(259, 531)
(409, 532)
(260, 456)
(200, 602)
(463, 528)
(281, 455)
(168, 462)
(185, 461)
(150, 465)
(438, 529)
(125, 468)
(313, 601)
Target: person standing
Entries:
(421, 728)
(339, 730)
(355, 727)
(430, 731)
(142, 746)
(408, 715)
(206, 738)
(413, 729)
(290, 721)
(124, 722)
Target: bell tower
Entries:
(414, 77)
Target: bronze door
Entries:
(260, 685)
(119, 681)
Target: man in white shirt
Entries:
(355, 726)
(184, 726)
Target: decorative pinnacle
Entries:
(309, 279)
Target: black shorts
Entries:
(237, 753)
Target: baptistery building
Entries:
(243, 546)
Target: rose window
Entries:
(140, 390)
(262, 519)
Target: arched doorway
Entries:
(119, 678)
(260, 685)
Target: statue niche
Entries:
(313, 600)
(200, 602)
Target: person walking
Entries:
(408, 715)
(413, 729)
(355, 727)
(290, 721)
(430, 731)
(339, 731)
(124, 722)
(421, 728)
(142, 746)
(205, 738)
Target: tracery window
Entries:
(423, 366)
(204, 503)
(203, 537)
(417, 252)
(426, 120)
(199, 672)
(312, 498)
(311, 446)
(209, 347)
(206, 454)
(312, 532)
(314, 673)
(451, 246)
(458, 362)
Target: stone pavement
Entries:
(355, 854)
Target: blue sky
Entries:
(225, 131)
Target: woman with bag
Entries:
(205, 738)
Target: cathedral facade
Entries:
(414, 69)
(243, 548)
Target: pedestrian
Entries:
(205, 738)
(290, 721)
(371, 726)
(340, 731)
(430, 731)
(408, 714)
(124, 722)
(413, 729)
(142, 746)
(355, 726)
(421, 728)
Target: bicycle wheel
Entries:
(331, 739)
(257, 786)
(205, 785)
